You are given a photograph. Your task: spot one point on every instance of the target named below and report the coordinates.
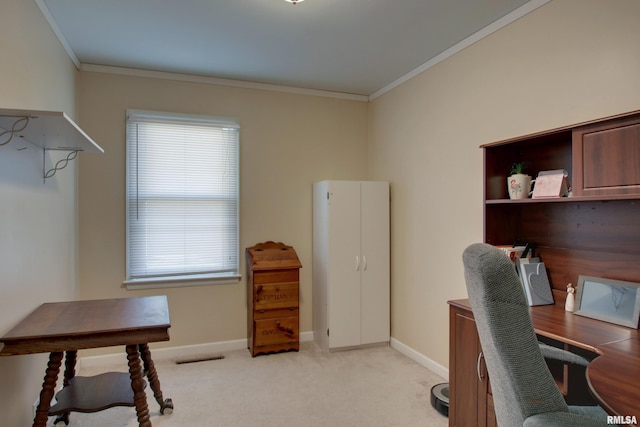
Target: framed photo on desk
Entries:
(613, 301)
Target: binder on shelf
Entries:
(536, 283)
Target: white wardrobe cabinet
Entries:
(351, 270)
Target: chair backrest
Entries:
(520, 380)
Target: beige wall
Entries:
(567, 62)
(37, 221)
(287, 142)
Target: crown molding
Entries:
(486, 31)
(135, 72)
(54, 26)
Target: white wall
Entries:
(37, 221)
(566, 62)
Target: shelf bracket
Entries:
(60, 164)
(19, 125)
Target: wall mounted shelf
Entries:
(48, 130)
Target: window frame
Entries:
(180, 279)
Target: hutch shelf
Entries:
(595, 231)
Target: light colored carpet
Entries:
(365, 387)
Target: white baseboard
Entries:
(177, 352)
(420, 358)
(222, 346)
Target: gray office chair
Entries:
(524, 392)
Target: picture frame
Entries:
(612, 301)
(551, 184)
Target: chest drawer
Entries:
(276, 331)
(276, 313)
(275, 295)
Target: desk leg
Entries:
(137, 384)
(166, 406)
(48, 388)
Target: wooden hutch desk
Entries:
(595, 232)
(612, 377)
(57, 328)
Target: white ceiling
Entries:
(348, 46)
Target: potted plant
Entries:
(518, 183)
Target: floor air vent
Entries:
(203, 358)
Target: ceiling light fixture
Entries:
(295, 1)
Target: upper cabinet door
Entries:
(606, 158)
(374, 238)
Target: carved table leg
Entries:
(166, 406)
(48, 388)
(69, 372)
(137, 384)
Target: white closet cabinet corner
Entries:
(351, 263)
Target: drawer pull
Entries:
(480, 374)
(287, 331)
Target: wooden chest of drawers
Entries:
(273, 276)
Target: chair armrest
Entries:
(554, 353)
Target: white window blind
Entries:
(182, 196)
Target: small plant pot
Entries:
(519, 186)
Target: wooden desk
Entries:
(57, 328)
(612, 376)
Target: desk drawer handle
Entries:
(480, 374)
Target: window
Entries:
(182, 198)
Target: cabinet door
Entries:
(463, 376)
(607, 158)
(471, 403)
(375, 270)
(344, 261)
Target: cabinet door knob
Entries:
(357, 263)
